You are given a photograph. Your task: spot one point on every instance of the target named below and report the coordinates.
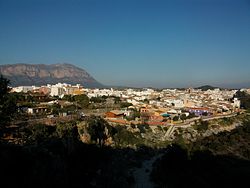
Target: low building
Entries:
(36, 96)
(155, 118)
(37, 110)
(44, 90)
(199, 111)
(115, 114)
(23, 89)
(56, 91)
(73, 90)
(144, 110)
(236, 103)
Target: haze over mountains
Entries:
(42, 74)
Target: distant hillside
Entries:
(206, 87)
(42, 74)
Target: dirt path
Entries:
(142, 175)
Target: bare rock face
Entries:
(42, 74)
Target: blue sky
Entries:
(158, 43)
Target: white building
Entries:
(57, 91)
(176, 102)
(236, 103)
(24, 89)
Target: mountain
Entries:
(206, 87)
(42, 74)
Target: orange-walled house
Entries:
(115, 114)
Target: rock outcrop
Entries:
(42, 74)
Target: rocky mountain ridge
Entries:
(42, 74)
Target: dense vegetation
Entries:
(8, 106)
(244, 99)
(55, 156)
(221, 160)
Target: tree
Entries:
(175, 118)
(183, 117)
(125, 104)
(4, 89)
(8, 106)
(55, 108)
(38, 133)
(201, 126)
(158, 98)
(68, 133)
(123, 137)
(146, 101)
(68, 98)
(99, 129)
(97, 99)
(117, 100)
(244, 99)
(192, 115)
(204, 113)
(64, 130)
(82, 100)
(141, 127)
(133, 115)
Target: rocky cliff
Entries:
(42, 74)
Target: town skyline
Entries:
(147, 43)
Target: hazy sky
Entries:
(160, 43)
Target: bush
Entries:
(201, 125)
(125, 104)
(123, 137)
(175, 118)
